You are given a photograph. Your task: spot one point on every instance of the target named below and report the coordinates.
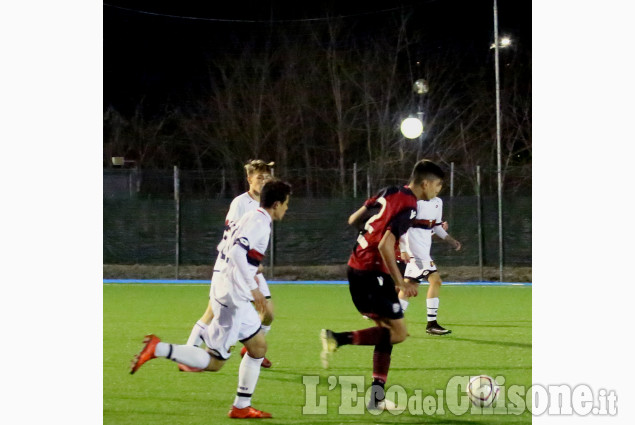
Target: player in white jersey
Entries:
(417, 243)
(258, 173)
(235, 318)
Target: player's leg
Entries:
(254, 339)
(432, 304)
(381, 361)
(412, 274)
(193, 357)
(266, 316)
(200, 327)
(221, 335)
(373, 294)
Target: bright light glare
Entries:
(502, 43)
(411, 128)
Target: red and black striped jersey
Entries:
(392, 209)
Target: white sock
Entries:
(186, 354)
(195, 336)
(265, 329)
(248, 374)
(433, 306)
(404, 304)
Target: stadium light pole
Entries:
(497, 45)
(412, 127)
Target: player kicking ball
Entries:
(235, 318)
(373, 274)
(258, 173)
(418, 241)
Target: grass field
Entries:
(491, 335)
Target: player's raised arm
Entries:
(354, 218)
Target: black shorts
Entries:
(374, 294)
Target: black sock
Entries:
(343, 338)
(377, 392)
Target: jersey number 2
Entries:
(361, 240)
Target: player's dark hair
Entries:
(274, 190)
(258, 166)
(426, 170)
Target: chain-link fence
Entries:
(140, 219)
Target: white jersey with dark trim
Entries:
(251, 233)
(241, 205)
(419, 236)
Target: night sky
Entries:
(159, 52)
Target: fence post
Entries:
(130, 184)
(354, 179)
(480, 221)
(451, 209)
(222, 184)
(451, 179)
(177, 202)
(271, 244)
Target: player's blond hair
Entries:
(258, 166)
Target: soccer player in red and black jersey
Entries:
(373, 274)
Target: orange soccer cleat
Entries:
(247, 413)
(147, 353)
(266, 363)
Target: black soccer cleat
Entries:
(433, 328)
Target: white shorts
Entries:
(262, 284)
(419, 269)
(234, 320)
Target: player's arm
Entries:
(440, 232)
(354, 218)
(453, 242)
(242, 256)
(441, 229)
(403, 247)
(387, 250)
(359, 217)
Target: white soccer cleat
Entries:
(329, 346)
(383, 405)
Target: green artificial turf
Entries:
(491, 335)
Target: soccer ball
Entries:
(482, 390)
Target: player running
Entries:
(373, 273)
(235, 318)
(418, 241)
(258, 173)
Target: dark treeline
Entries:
(323, 95)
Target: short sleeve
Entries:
(402, 221)
(235, 211)
(439, 217)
